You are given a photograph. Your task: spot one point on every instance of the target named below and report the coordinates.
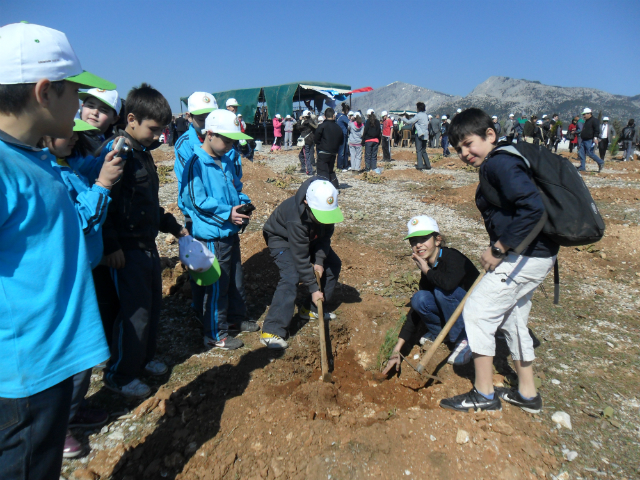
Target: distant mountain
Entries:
(401, 96)
(502, 96)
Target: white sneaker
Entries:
(461, 355)
(344, 170)
(135, 389)
(309, 315)
(425, 339)
(348, 168)
(273, 341)
(156, 368)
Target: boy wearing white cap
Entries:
(49, 330)
(298, 234)
(446, 276)
(211, 194)
(288, 132)
(308, 125)
(101, 109)
(232, 105)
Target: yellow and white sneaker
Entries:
(306, 314)
(272, 341)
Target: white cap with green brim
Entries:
(30, 53)
(225, 123)
(82, 126)
(109, 97)
(232, 102)
(421, 226)
(322, 198)
(201, 102)
(202, 263)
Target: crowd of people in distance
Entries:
(80, 214)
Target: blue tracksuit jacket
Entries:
(91, 202)
(209, 192)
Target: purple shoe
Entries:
(72, 447)
(88, 418)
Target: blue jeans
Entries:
(343, 154)
(586, 149)
(435, 308)
(32, 433)
(445, 145)
(370, 156)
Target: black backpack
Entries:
(627, 133)
(571, 216)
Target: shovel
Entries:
(424, 361)
(326, 376)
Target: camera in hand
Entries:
(122, 148)
(246, 209)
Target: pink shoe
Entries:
(72, 447)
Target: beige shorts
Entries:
(502, 300)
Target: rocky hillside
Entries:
(401, 96)
(503, 95)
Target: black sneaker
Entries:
(227, 343)
(512, 395)
(600, 167)
(473, 400)
(245, 326)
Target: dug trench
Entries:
(259, 413)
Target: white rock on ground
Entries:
(563, 419)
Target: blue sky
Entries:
(446, 45)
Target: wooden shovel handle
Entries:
(324, 361)
(424, 361)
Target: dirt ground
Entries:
(258, 414)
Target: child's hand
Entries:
(420, 262)
(393, 364)
(315, 296)
(115, 259)
(319, 269)
(235, 217)
(111, 170)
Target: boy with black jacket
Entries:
(308, 124)
(328, 139)
(298, 234)
(502, 299)
(134, 219)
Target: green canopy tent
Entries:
(278, 98)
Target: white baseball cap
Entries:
(225, 123)
(288, 116)
(239, 115)
(350, 114)
(384, 113)
(511, 115)
(110, 97)
(29, 53)
(370, 111)
(421, 226)
(278, 115)
(605, 119)
(586, 110)
(444, 117)
(539, 122)
(544, 116)
(459, 110)
(306, 113)
(429, 116)
(320, 119)
(322, 198)
(495, 117)
(203, 265)
(201, 102)
(232, 102)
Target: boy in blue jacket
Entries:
(502, 299)
(211, 194)
(49, 322)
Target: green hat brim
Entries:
(236, 135)
(202, 111)
(328, 216)
(84, 95)
(421, 233)
(82, 126)
(89, 80)
(209, 277)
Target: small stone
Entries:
(603, 255)
(83, 474)
(563, 476)
(171, 240)
(407, 472)
(503, 428)
(555, 381)
(562, 419)
(116, 436)
(433, 439)
(571, 456)
(462, 436)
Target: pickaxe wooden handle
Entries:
(326, 376)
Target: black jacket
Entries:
(182, 125)
(307, 128)
(529, 128)
(328, 137)
(511, 178)
(371, 130)
(135, 215)
(444, 128)
(290, 226)
(591, 129)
